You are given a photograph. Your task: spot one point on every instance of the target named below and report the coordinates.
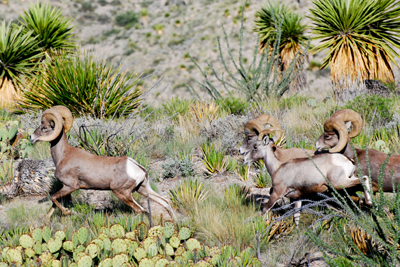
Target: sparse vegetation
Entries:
(127, 19)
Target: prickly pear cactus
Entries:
(37, 235)
(175, 241)
(107, 244)
(108, 262)
(140, 253)
(132, 246)
(54, 245)
(202, 263)
(184, 233)
(37, 247)
(152, 250)
(131, 235)
(192, 244)
(146, 263)
(169, 250)
(148, 241)
(14, 256)
(68, 246)
(46, 233)
(99, 243)
(161, 263)
(215, 251)
(60, 235)
(85, 261)
(29, 253)
(119, 246)
(46, 257)
(156, 231)
(55, 263)
(120, 259)
(117, 231)
(169, 229)
(83, 234)
(92, 250)
(26, 241)
(142, 231)
(3, 264)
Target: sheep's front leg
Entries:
(66, 190)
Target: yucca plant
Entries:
(18, 56)
(188, 192)
(85, 85)
(262, 180)
(215, 161)
(292, 39)
(360, 36)
(50, 27)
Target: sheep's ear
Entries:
(266, 139)
(348, 124)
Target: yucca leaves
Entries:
(292, 38)
(51, 28)
(18, 56)
(359, 35)
(85, 85)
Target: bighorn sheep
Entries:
(255, 126)
(299, 177)
(78, 169)
(337, 139)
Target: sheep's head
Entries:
(259, 146)
(52, 124)
(254, 127)
(336, 129)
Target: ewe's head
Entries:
(260, 145)
(254, 127)
(52, 124)
(336, 129)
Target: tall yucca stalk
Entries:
(292, 40)
(359, 36)
(85, 85)
(18, 54)
(51, 28)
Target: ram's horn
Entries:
(350, 115)
(54, 116)
(337, 124)
(66, 115)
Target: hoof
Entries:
(66, 212)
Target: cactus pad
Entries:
(161, 263)
(119, 246)
(37, 235)
(175, 241)
(146, 263)
(78, 250)
(46, 233)
(3, 264)
(75, 239)
(184, 233)
(54, 245)
(56, 263)
(117, 231)
(187, 255)
(215, 251)
(131, 235)
(169, 250)
(169, 229)
(85, 261)
(152, 250)
(107, 244)
(68, 246)
(140, 253)
(120, 259)
(26, 241)
(37, 247)
(29, 253)
(105, 230)
(83, 234)
(106, 263)
(192, 244)
(14, 256)
(102, 236)
(202, 264)
(132, 246)
(46, 257)
(92, 250)
(142, 231)
(99, 243)
(179, 251)
(44, 247)
(148, 241)
(156, 231)
(60, 234)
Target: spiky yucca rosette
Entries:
(359, 36)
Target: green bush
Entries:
(233, 105)
(86, 86)
(366, 106)
(127, 19)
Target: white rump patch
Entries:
(135, 171)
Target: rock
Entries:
(101, 200)
(376, 88)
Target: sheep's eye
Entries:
(254, 147)
(328, 137)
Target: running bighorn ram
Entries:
(337, 139)
(78, 169)
(299, 177)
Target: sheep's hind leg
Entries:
(145, 190)
(66, 190)
(126, 197)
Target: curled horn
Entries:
(253, 126)
(269, 131)
(56, 118)
(350, 115)
(337, 124)
(268, 119)
(66, 115)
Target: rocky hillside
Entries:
(165, 33)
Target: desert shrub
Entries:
(127, 19)
(262, 179)
(86, 6)
(174, 167)
(215, 160)
(86, 86)
(188, 194)
(177, 106)
(233, 105)
(366, 106)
